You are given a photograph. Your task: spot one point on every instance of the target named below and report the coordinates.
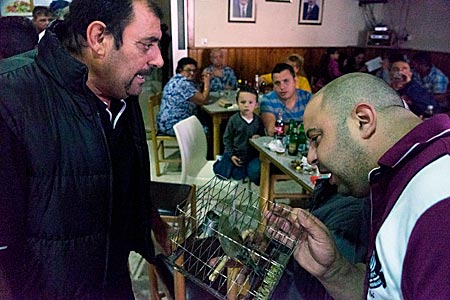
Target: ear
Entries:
(96, 37)
(366, 117)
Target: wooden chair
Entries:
(167, 196)
(300, 196)
(159, 141)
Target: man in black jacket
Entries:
(75, 193)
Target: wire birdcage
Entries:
(226, 246)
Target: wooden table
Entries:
(218, 114)
(281, 161)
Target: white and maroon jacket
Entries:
(410, 227)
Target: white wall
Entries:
(277, 25)
(427, 22)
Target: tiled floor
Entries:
(171, 173)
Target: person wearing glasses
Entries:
(181, 96)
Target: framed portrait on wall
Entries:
(242, 11)
(310, 12)
(16, 7)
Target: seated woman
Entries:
(295, 61)
(328, 68)
(180, 96)
(356, 62)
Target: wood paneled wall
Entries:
(250, 61)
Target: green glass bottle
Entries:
(302, 141)
(289, 132)
(293, 142)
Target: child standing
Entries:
(240, 159)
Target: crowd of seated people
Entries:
(420, 85)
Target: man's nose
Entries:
(312, 156)
(155, 58)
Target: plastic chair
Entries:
(167, 197)
(192, 142)
(158, 140)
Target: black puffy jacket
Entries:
(55, 179)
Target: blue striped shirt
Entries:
(435, 82)
(271, 103)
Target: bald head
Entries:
(342, 94)
(351, 123)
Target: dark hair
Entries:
(397, 57)
(323, 65)
(280, 67)
(331, 50)
(423, 58)
(17, 35)
(185, 61)
(116, 14)
(41, 10)
(246, 89)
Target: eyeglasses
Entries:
(189, 70)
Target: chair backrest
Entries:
(154, 103)
(192, 142)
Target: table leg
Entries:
(264, 182)
(179, 281)
(216, 135)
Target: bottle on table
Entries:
(279, 127)
(289, 131)
(293, 142)
(256, 83)
(428, 112)
(302, 141)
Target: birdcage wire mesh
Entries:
(227, 229)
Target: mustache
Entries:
(147, 72)
(322, 169)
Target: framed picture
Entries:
(310, 12)
(278, 0)
(16, 8)
(242, 11)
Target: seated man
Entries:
(347, 218)
(181, 97)
(285, 99)
(417, 97)
(430, 77)
(296, 61)
(222, 77)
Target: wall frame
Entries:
(279, 1)
(242, 11)
(16, 8)
(313, 15)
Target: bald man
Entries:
(360, 132)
